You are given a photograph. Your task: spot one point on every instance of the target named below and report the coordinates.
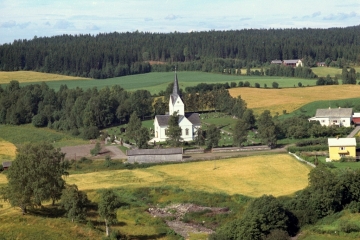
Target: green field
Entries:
(324, 71)
(28, 133)
(310, 108)
(155, 82)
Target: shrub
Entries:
(247, 84)
(241, 84)
(257, 85)
(275, 85)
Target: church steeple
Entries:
(175, 103)
(176, 90)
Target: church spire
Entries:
(176, 90)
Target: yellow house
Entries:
(341, 147)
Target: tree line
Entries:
(84, 112)
(118, 54)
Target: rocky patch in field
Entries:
(176, 212)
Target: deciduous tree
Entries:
(240, 132)
(74, 202)
(174, 130)
(35, 176)
(107, 206)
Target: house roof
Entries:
(194, 118)
(6, 164)
(164, 151)
(291, 61)
(339, 142)
(334, 112)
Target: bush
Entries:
(257, 85)
(91, 132)
(247, 84)
(275, 85)
(39, 120)
(241, 84)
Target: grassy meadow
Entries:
(251, 176)
(31, 76)
(28, 133)
(158, 81)
(290, 99)
(332, 71)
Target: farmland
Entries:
(31, 77)
(7, 150)
(251, 176)
(158, 81)
(28, 133)
(290, 99)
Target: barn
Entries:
(154, 155)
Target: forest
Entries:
(118, 54)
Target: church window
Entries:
(187, 132)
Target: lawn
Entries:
(158, 81)
(31, 76)
(28, 133)
(251, 176)
(290, 99)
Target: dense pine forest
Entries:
(119, 54)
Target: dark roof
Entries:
(164, 151)
(334, 112)
(6, 164)
(163, 120)
(194, 118)
(291, 61)
(176, 90)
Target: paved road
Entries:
(355, 131)
(118, 154)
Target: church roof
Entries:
(176, 91)
(162, 119)
(194, 118)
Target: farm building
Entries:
(6, 165)
(154, 155)
(321, 64)
(276, 62)
(341, 147)
(189, 122)
(356, 118)
(293, 63)
(341, 117)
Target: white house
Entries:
(341, 117)
(189, 122)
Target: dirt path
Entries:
(118, 154)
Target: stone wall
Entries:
(155, 158)
(241, 149)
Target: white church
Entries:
(189, 122)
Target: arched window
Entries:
(187, 132)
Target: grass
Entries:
(158, 81)
(310, 108)
(7, 150)
(332, 71)
(291, 99)
(31, 76)
(251, 176)
(28, 133)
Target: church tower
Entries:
(175, 103)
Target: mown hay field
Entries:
(7, 150)
(30, 76)
(251, 176)
(332, 71)
(290, 99)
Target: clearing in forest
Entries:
(30, 76)
(253, 176)
(290, 99)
